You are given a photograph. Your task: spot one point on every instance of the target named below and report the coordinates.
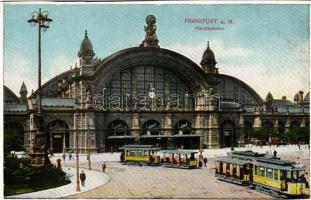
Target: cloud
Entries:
(264, 72)
(18, 67)
(195, 51)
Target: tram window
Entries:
(269, 173)
(295, 174)
(256, 170)
(127, 153)
(139, 153)
(282, 175)
(288, 174)
(145, 153)
(276, 174)
(261, 171)
(132, 153)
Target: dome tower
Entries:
(208, 62)
(86, 53)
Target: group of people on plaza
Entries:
(69, 156)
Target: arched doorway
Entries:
(13, 136)
(184, 136)
(151, 134)
(118, 135)
(151, 127)
(227, 137)
(59, 136)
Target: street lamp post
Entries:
(39, 154)
(76, 149)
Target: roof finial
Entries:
(207, 44)
(85, 35)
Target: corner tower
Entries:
(23, 93)
(83, 80)
(208, 62)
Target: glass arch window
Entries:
(118, 128)
(151, 127)
(183, 127)
(230, 89)
(140, 80)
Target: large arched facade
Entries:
(151, 95)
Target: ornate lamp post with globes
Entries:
(39, 156)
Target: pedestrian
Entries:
(82, 178)
(70, 155)
(104, 166)
(200, 164)
(299, 145)
(64, 156)
(274, 153)
(205, 161)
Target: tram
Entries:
(234, 171)
(179, 159)
(278, 178)
(144, 154)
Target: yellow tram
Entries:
(179, 159)
(278, 178)
(234, 170)
(146, 154)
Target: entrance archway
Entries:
(151, 134)
(118, 135)
(184, 136)
(227, 137)
(58, 140)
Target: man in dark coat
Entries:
(82, 178)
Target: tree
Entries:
(13, 141)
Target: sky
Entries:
(266, 46)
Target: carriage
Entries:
(179, 159)
(143, 154)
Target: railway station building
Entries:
(148, 95)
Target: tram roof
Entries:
(234, 161)
(287, 166)
(248, 153)
(137, 146)
(179, 151)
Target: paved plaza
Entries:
(132, 181)
(160, 182)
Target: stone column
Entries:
(168, 130)
(213, 131)
(204, 131)
(168, 124)
(303, 122)
(287, 125)
(241, 141)
(64, 142)
(51, 141)
(136, 127)
(90, 120)
(257, 123)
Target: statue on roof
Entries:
(151, 28)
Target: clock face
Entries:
(151, 95)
